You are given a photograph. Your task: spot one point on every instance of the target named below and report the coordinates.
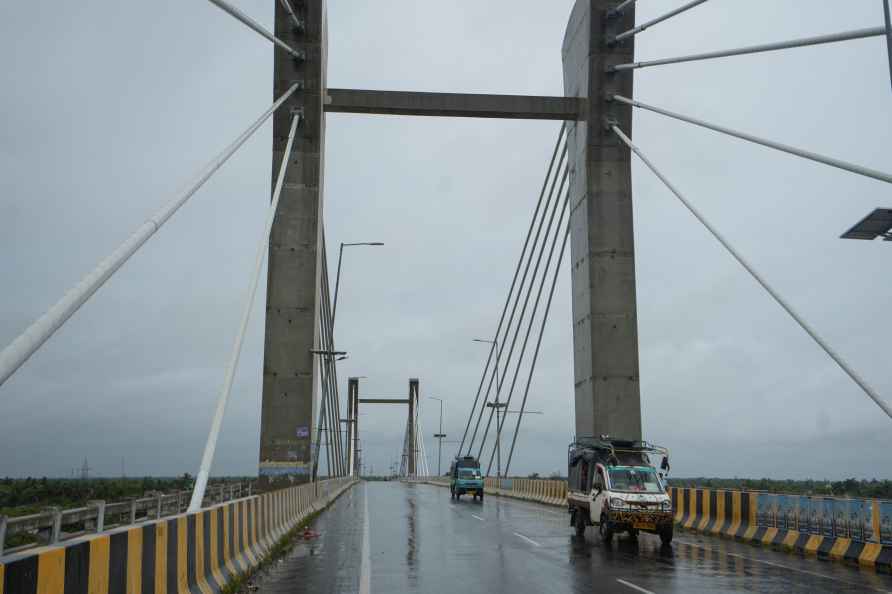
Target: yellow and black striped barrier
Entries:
(853, 530)
(187, 554)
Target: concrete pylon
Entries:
(289, 408)
(605, 321)
(353, 425)
(412, 445)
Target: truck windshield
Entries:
(634, 480)
(469, 473)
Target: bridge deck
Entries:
(421, 541)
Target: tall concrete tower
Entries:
(605, 321)
(292, 302)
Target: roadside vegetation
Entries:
(19, 497)
(868, 489)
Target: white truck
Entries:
(614, 485)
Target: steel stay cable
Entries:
(332, 364)
(319, 428)
(29, 341)
(887, 16)
(331, 449)
(619, 8)
(325, 408)
(659, 19)
(541, 250)
(755, 49)
(526, 390)
(331, 368)
(538, 222)
(323, 367)
(514, 280)
(501, 349)
(851, 167)
(256, 27)
(527, 299)
(502, 339)
(746, 265)
(210, 447)
(298, 24)
(544, 278)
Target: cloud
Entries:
(96, 138)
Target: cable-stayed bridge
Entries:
(310, 453)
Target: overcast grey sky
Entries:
(108, 107)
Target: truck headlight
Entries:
(666, 505)
(617, 503)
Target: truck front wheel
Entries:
(666, 535)
(580, 521)
(605, 530)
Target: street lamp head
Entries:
(342, 358)
(482, 340)
(362, 243)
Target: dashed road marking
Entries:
(478, 517)
(528, 539)
(633, 586)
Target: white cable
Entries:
(298, 24)
(27, 343)
(255, 26)
(802, 323)
(845, 165)
(755, 49)
(262, 248)
(425, 466)
(659, 19)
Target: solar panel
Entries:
(876, 224)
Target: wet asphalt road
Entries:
(413, 538)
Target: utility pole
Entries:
(498, 406)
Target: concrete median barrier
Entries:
(196, 553)
(857, 531)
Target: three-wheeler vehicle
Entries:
(614, 485)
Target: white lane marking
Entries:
(633, 586)
(782, 566)
(365, 575)
(530, 540)
(478, 517)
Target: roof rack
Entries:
(611, 447)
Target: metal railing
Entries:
(55, 525)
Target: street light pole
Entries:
(497, 406)
(439, 435)
(334, 307)
(495, 344)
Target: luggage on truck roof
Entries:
(466, 462)
(608, 451)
